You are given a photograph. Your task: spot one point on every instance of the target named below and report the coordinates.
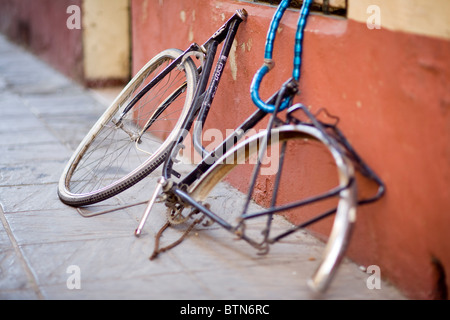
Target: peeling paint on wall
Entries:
(233, 64)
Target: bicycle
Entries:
(182, 93)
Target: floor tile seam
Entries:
(192, 274)
(92, 239)
(121, 278)
(25, 129)
(32, 160)
(30, 275)
(25, 144)
(23, 162)
(46, 125)
(135, 276)
(20, 117)
(67, 208)
(14, 290)
(43, 210)
(28, 185)
(256, 262)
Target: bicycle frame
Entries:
(205, 93)
(201, 103)
(334, 138)
(227, 33)
(328, 134)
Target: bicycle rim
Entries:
(308, 156)
(117, 153)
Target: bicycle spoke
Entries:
(119, 148)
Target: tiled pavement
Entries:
(43, 117)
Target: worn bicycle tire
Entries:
(72, 198)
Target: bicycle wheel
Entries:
(123, 148)
(311, 167)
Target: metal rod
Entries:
(209, 96)
(189, 200)
(98, 213)
(263, 147)
(331, 193)
(303, 225)
(152, 201)
(161, 75)
(275, 191)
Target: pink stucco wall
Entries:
(41, 26)
(391, 91)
